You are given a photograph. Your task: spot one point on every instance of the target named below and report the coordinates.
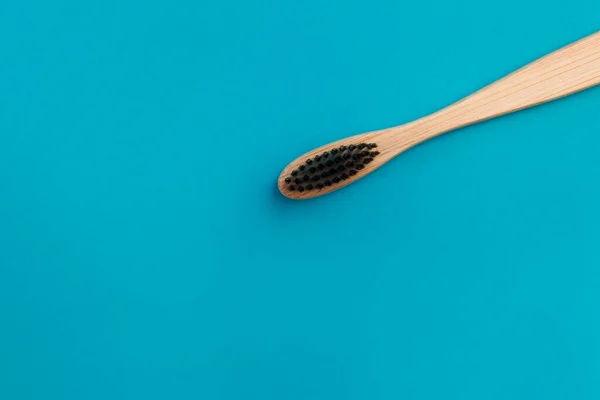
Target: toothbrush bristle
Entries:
(331, 167)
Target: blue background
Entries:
(146, 254)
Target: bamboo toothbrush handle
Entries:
(564, 72)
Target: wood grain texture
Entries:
(569, 70)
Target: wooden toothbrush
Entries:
(335, 165)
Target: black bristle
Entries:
(331, 167)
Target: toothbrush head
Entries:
(326, 170)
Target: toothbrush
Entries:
(330, 167)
